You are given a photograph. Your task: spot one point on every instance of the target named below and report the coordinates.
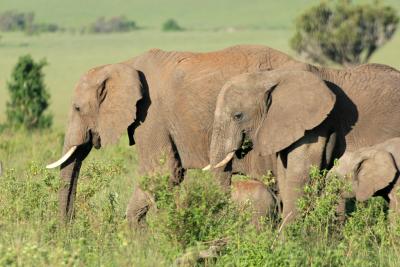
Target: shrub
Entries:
(171, 25)
(342, 32)
(28, 95)
(114, 24)
(197, 211)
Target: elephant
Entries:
(292, 119)
(164, 101)
(256, 196)
(372, 171)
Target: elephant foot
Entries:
(138, 206)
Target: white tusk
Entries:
(206, 168)
(62, 159)
(225, 160)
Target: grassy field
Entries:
(29, 231)
(211, 25)
(189, 216)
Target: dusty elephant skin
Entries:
(254, 195)
(372, 171)
(299, 118)
(166, 100)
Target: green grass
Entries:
(69, 56)
(210, 25)
(190, 13)
(29, 231)
(186, 217)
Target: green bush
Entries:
(28, 95)
(196, 211)
(171, 25)
(343, 32)
(316, 238)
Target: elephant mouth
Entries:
(92, 138)
(95, 138)
(245, 147)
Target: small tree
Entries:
(28, 95)
(342, 32)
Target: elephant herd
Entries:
(246, 109)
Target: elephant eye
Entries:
(237, 116)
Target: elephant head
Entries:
(271, 109)
(103, 106)
(368, 170)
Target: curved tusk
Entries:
(225, 160)
(206, 168)
(62, 159)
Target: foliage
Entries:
(20, 21)
(187, 216)
(343, 32)
(44, 27)
(28, 95)
(114, 24)
(316, 238)
(171, 25)
(197, 211)
(16, 21)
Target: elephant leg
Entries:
(138, 206)
(224, 180)
(341, 210)
(294, 166)
(394, 202)
(168, 163)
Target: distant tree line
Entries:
(25, 22)
(114, 24)
(122, 24)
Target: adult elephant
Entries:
(296, 119)
(165, 101)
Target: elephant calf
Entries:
(255, 195)
(372, 171)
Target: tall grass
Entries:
(185, 217)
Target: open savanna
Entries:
(210, 25)
(30, 233)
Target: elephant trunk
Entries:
(222, 152)
(69, 176)
(223, 149)
(77, 145)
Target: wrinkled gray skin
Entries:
(296, 119)
(372, 171)
(254, 195)
(165, 101)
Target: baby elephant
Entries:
(373, 171)
(257, 196)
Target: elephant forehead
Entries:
(240, 98)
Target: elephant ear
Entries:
(373, 173)
(118, 94)
(298, 101)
